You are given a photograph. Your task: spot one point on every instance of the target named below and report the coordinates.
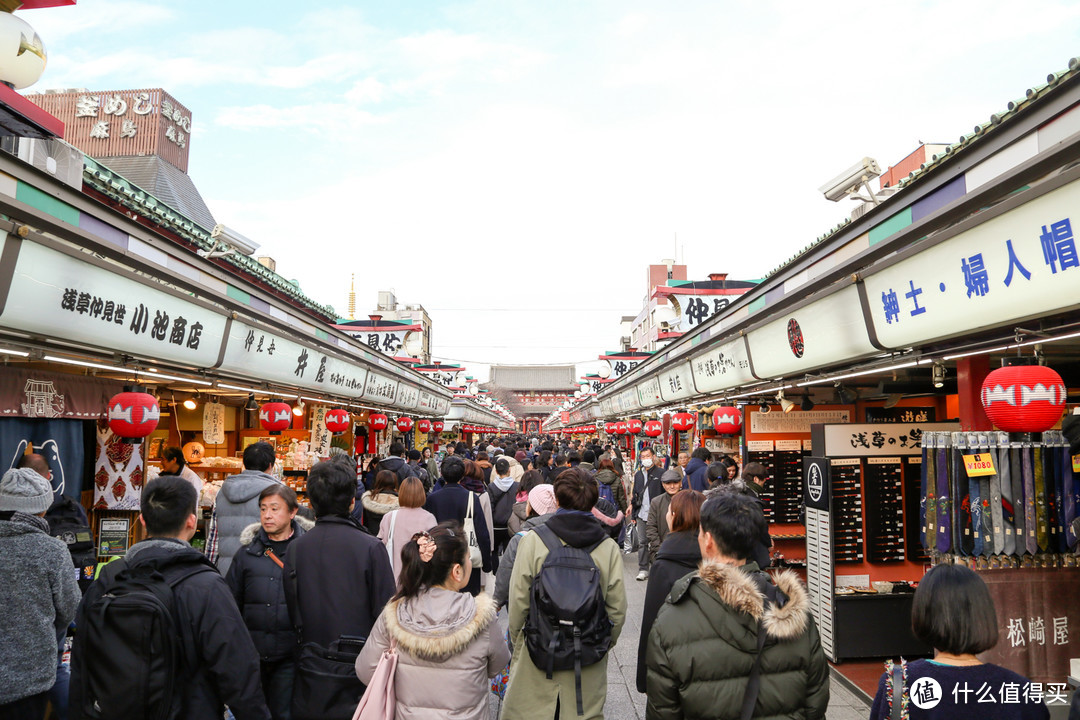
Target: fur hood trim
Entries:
(738, 590)
(379, 504)
(435, 647)
(248, 535)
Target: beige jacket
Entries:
(448, 646)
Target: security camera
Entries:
(848, 181)
(233, 239)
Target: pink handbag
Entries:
(380, 701)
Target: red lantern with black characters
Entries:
(727, 420)
(1022, 398)
(423, 426)
(133, 415)
(378, 421)
(404, 424)
(633, 426)
(437, 426)
(654, 428)
(275, 417)
(682, 422)
(337, 421)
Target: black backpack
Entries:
(134, 647)
(502, 504)
(568, 625)
(67, 523)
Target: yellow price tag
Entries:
(1076, 463)
(979, 465)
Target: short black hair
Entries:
(331, 488)
(453, 469)
(415, 454)
(952, 611)
(755, 470)
(588, 456)
(560, 459)
(397, 448)
(166, 504)
(702, 453)
(502, 466)
(735, 523)
(576, 490)
(574, 457)
(259, 456)
(174, 454)
(717, 471)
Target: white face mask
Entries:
(646, 462)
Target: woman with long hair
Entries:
(447, 642)
(678, 556)
(379, 500)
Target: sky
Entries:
(515, 166)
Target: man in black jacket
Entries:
(225, 669)
(646, 482)
(396, 462)
(337, 576)
(452, 503)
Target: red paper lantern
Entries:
(404, 424)
(378, 421)
(609, 428)
(621, 428)
(634, 426)
(1023, 398)
(682, 422)
(423, 426)
(133, 415)
(727, 420)
(437, 426)
(654, 428)
(337, 421)
(275, 417)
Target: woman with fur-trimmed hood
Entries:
(706, 638)
(448, 643)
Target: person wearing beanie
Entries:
(539, 508)
(41, 593)
(656, 528)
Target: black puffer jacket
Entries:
(256, 582)
(678, 557)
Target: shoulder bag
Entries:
(380, 698)
(390, 539)
(470, 532)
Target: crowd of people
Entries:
(291, 612)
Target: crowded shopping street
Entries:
(459, 360)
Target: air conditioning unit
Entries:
(56, 157)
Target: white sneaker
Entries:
(643, 575)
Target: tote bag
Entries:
(470, 532)
(380, 701)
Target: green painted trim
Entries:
(891, 226)
(237, 294)
(322, 334)
(756, 305)
(46, 203)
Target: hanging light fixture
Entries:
(939, 375)
(190, 403)
(298, 408)
(785, 404)
(251, 405)
(807, 404)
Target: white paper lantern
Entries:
(22, 54)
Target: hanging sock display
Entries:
(944, 499)
(1042, 521)
(1019, 502)
(995, 516)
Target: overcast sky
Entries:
(514, 166)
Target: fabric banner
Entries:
(61, 442)
(118, 472)
(41, 394)
(320, 436)
(213, 423)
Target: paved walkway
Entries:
(624, 702)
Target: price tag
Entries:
(1076, 463)
(979, 465)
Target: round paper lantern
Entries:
(634, 426)
(727, 420)
(378, 421)
(437, 426)
(275, 417)
(609, 428)
(194, 452)
(133, 415)
(404, 424)
(654, 428)
(621, 428)
(423, 426)
(1023, 398)
(22, 54)
(682, 422)
(337, 421)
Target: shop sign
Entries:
(677, 383)
(380, 388)
(258, 353)
(901, 414)
(760, 446)
(877, 440)
(44, 395)
(1023, 263)
(213, 423)
(727, 445)
(828, 331)
(789, 446)
(979, 465)
(428, 402)
(696, 309)
(796, 422)
(649, 392)
(385, 342)
(816, 483)
(408, 396)
(620, 367)
(722, 367)
(113, 537)
(320, 435)
(59, 296)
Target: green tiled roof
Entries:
(132, 196)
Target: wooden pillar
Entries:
(970, 373)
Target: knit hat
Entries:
(24, 490)
(671, 475)
(520, 455)
(542, 499)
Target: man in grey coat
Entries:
(39, 597)
(237, 504)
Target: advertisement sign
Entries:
(649, 392)
(722, 367)
(677, 383)
(870, 440)
(796, 422)
(380, 388)
(113, 537)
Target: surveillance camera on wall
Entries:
(233, 239)
(848, 181)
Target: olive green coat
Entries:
(703, 643)
(530, 694)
